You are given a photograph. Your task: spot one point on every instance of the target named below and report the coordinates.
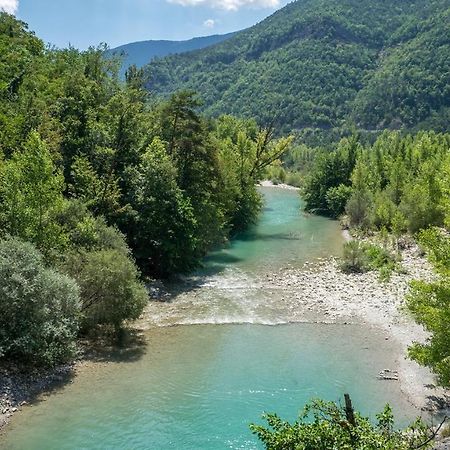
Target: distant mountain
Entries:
(327, 64)
(141, 53)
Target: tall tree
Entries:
(31, 194)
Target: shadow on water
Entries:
(32, 386)
(129, 348)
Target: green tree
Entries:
(430, 306)
(100, 193)
(111, 291)
(337, 198)
(444, 181)
(162, 226)
(359, 206)
(330, 171)
(31, 195)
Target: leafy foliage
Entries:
(173, 182)
(39, 307)
(430, 305)
(31, 196)
(325, 425)
(398, 183)
(110, 288)
(330, 178)
(163, 224)
(360, 257)
(110, 186)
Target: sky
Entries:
(83, 23)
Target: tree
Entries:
(31, 195)
(337, 198)
(330, 171)
(325, 425)
(111, 291)
(444, 181)
(430, 306)
(246, 152)
(39, 307)
(360, 202)
(162, 226)
(101, 194)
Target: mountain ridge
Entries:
(309, 61)
(141, 53)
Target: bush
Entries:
(325, 425)
(360, 257)
(355, 259)
(110, 288)
(101, 263)
(39, 307)
(294, 179)
(337, 198)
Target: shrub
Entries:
(294, 179)
(111, 291)
(354, 258)
(101, 263)
(39, 307)
(325, 425)
(360, 257)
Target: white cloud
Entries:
(209, 23)
(229, 5)
(10, 6)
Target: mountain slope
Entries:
(323, 63)
(141, 53)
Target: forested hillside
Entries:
(100, 188)
(327, 64)
(141, 53)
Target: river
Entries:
(220, 352)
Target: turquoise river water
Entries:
(217, 355)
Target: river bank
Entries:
(321, 289)
(268, 183)
(20, 387)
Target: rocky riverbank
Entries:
(322, 289)
(19, 387)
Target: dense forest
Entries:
(326, 65)
(101, 186)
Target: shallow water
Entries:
(284, 237)
(199, 386)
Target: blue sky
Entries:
(88, 22)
